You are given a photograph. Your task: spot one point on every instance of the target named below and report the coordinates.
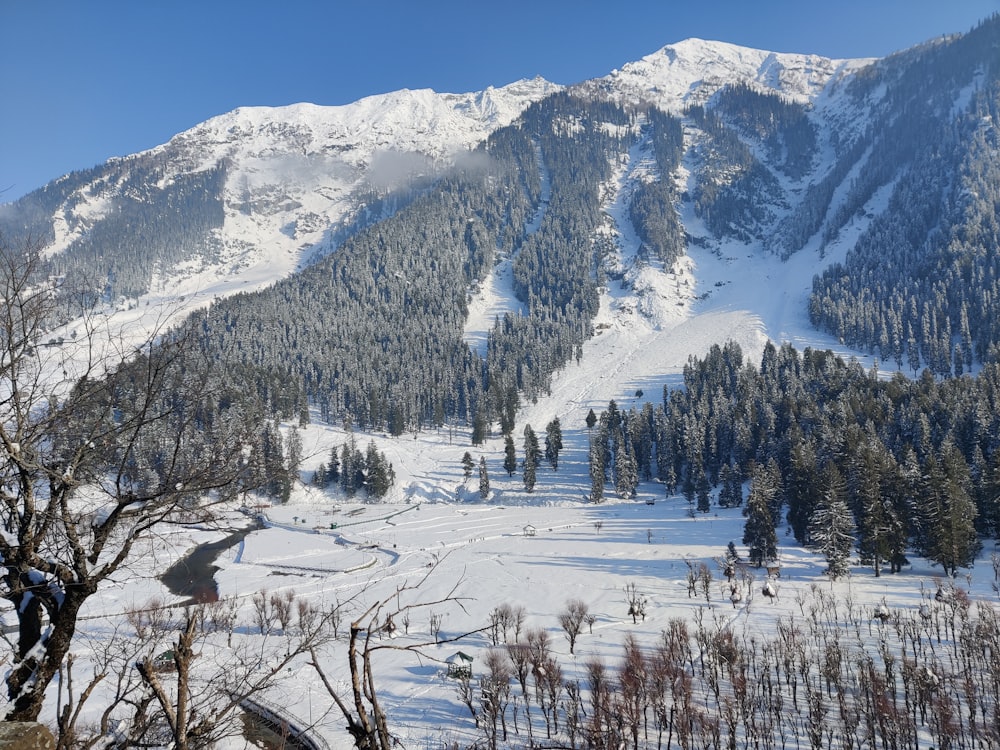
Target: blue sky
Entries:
(83, 81)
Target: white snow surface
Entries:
(691, 71)
(482, 549)
(648, 326)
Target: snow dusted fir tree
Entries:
(484, 479)
(532, 453)
(758, 533)
(831, 526)
(626, 472)
(509, 455)
(947, 509)
(596, 471)
(553, 443)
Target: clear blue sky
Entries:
(81, 81)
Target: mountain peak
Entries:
(690, 71)
(419, 120)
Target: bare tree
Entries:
(572, 620)
(367, 723)
(111, 659)
(197, 700)
(520, 659)
(705, 581)
(101, 443)
(434, 624)
(636, 602)
(170, 681)
(504, 619)
(263, 615)
(494, 687)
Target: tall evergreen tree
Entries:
(703, 492)
(484, 480)
(831, 525)
(467, 464)
(596, 471)
(988, 497)
(803, 489)
(275, 477)
(626, 472)
(532, 453)
(731, 493)
(478, 428)
(293, 452)
(509, 455)
(553, 443)
(878, 524)
(352, 468)
(949, 513)
(319, 476)
(758, 532)
(379, 473)
(333, 467)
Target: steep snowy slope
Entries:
(296, 176)
(691, 71)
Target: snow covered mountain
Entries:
(299, 178)
(692, 71)
(778, 156)
(293, 177)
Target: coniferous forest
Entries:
(908, 464)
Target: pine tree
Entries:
(532, 453)
(803, 486)
(688, 487)
(379, 479)
(988, 497)
(949, 513)
(831, 526)
(484, 480)
(509, 455)
(478, 428)
(467, 464)
(596, 471)
(702, 491)
(319, 476)
(878, 525)
(731, 494)
(758, 531)
(333, 468)
(553, 443)
(352, 468)
(732, 556)
(276, 479)
(293, 452)
(626, 473)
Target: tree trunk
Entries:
(39, 661)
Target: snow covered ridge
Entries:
(689, 72)
(293, 172)
(295, 181)
(423, 121)
(298, 176)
